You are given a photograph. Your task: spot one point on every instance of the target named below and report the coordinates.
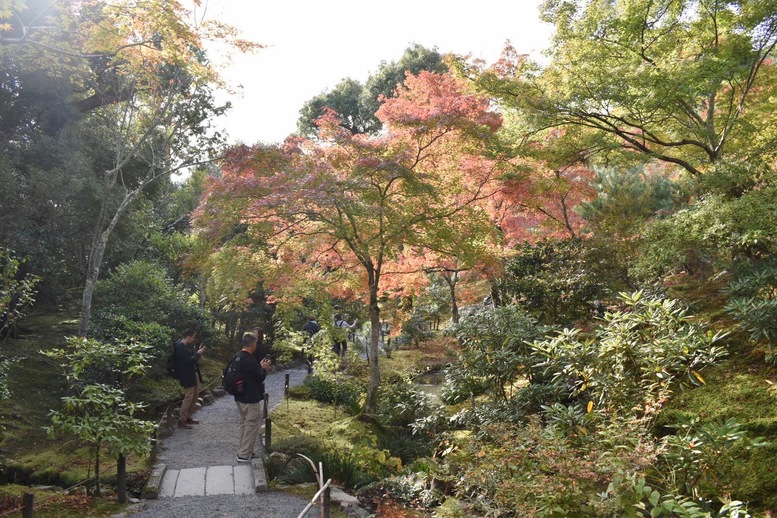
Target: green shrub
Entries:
(754, 305)
(636, 359)
(142, 293)
(349, 467)
(334, 390)
(415, 330)
(401, 405)
(496, 351)
(699, 458)
(556, 281)
(345, 468)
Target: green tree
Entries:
(683, 82)
(17, 291)
(99, 412)
(556, 281)
(147, 85)
(357, 103)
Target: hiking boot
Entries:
(192, 421)
(184, 424)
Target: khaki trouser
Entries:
(189, 404)
(247, 428)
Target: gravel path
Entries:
(213, 443)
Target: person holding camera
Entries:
(188, 368)
(248, 401)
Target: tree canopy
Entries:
(347, 205)
(683, 82)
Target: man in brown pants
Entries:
(187, 361)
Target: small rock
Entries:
(338, 495)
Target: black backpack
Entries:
(232, 377)
(172, 368)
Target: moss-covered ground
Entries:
(743, 388)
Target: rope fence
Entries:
(27, 506)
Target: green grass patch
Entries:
(317, 422)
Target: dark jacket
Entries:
(187, 364)
(254, 377)
(311, 327)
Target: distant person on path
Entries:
(342, 327)
(188, 368)
(248, 401)
(311, 327)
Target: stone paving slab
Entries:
(219, 480)
(244, 479)
(211, 480)
(167, 485)
(191, 482)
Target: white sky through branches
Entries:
(313, 45)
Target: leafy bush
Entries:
(415, 330)
(406, 445)
(361, 465)
(555, 281)
(350, 467)
(401, 405)
(335, 390)
(157, 336)
(17, 290)
(697, 457)
(754, 304)
(635, 359)
(409, 420)
(141, 292)
(712, 235)
(496, 352)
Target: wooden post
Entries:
(28, 504)
(286, 386)
(267, 434)
(326, 500)
(266, 405)
(121, 479)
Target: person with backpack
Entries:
(342, 327)
(247, 398)
(311, 327)
(187, 368)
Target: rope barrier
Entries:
(37, 504)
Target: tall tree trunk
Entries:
(97, 491)
(97, 253)
(372, 390)
(454, 277)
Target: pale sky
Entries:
(313, 45)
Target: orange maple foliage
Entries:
(342, 210)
